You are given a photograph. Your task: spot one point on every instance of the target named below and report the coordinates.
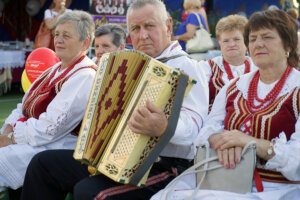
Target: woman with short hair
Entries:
(54, 105)
(261, 106)
(233, 62)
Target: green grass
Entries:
(8, 102)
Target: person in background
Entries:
(108, 38)
(54, 105)
(184, 14)
(294, 13)
(202, 11)
(298, 49)
(261, 106)
(58, 8)
(107, 9)
(233, 62)
(121, 9)
(187, 29)
(150, 30)
(99, 8)
(113, 10)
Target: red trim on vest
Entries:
(216, 82)
(282, 118)
(22, 119)
(42, 93)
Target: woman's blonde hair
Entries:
(187, 4)
(231, 23)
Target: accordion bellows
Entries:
(124, 81)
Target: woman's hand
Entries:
(8, 129)
(229, 146)
(229, 139)
(148, 120)
(230, 157)
(4, 140)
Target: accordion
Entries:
(124, 81)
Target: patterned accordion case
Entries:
(124, 81)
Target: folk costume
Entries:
(51, 109)
(74, 177)
(218, 72)
(270, 112)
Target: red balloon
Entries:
(38, 61)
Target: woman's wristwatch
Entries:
(270, 149)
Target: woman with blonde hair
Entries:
(233, 62)
(187, 29)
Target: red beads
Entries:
(271, 96)
(229, 72)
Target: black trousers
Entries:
(52, 174)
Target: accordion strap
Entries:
(165, 138)
(166, 59)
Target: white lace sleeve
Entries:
(62, 115)
(287, 158)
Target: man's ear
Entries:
(122, 47)
(85, 45)
(169, 27)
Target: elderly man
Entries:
(54, 173)
(108, 38)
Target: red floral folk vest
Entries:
(279, 116)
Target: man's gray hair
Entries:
(118, 33)
(160, 7)
(84, 23)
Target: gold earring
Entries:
(288, 54)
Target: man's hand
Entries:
(148, 120)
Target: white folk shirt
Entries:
(286, 159)
(236, 70)
(194, 108)
(63, 114)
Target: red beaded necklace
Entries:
(229, 72)
(271, 96)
